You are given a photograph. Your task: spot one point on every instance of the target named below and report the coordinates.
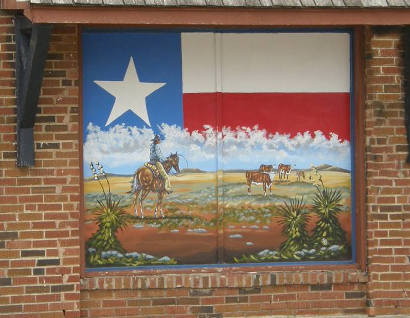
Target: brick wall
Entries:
(388, 177)
(39, 217)
(230, 293)
(39, 206)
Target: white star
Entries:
(129, 94)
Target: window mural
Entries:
(216, 147)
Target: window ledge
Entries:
(222, 278)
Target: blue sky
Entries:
(123, 145)
(157, 58)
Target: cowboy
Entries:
(156, 158)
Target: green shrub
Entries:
(114, 258)
(109, 216)
(293, 218)
(326, 205)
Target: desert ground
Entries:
(210, 214)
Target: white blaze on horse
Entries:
(284, 171)
(146, 180)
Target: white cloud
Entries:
(243, 148)
(253, 146)
(120, 145)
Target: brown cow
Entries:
(265, 168)
(257, 177)
(284, 171)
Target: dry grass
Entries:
(194, 178)
(192, 181)
(118, 185)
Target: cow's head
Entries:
(266, 168)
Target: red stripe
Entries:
(285, 113)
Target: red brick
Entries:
(19, 272)
(50, 207)
(44, 225)
(25, 280)
(19, 244)
(47, 298)
(23, 299)
(31, 235)
(387, 181)
(22, 263)
(114, 303)
(13, 226)
(9, 254)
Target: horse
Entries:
(145, 181)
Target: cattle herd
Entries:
(265, 175)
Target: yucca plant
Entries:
(109, 216)
(326, 205)
(293, 217)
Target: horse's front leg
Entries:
(141, 210)
(159, 203)
(155, 210)
(143, 196)
(135, 202)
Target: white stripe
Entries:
(266, 62)
(198, 62)
(218, 62)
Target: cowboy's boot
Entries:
(164, 175)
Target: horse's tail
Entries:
(134, 183)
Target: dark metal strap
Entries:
(32, 41)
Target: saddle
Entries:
(153, 168)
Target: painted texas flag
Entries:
(282, 82)
(259, 97)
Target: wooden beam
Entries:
(31, 52)
(235, 17)
(406, 58)
(359, 187)
(14, 5)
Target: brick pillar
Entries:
(388, 177)
(39, 206)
